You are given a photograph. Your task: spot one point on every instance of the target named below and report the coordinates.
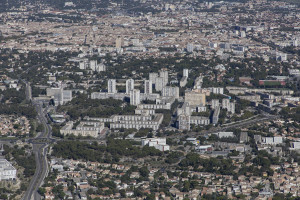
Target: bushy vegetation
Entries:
(293, 113)
(27, 161)
(112, 152)
(12, 102)
(213, 165)
(82, 106)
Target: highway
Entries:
(40, 151)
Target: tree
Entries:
(144, 172)
(122, 193)
(186, 186)
(42, 191)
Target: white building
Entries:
(190, 47)
(225, 103)
(59, 95)
(224, 134)
(294, 72)
(230, 106)
(7, 171)
(132, 121)
(183, 81)
(165, 75)
(135, 98)
(82, 65)
(184, 122)
(135, 42)
(100, 68)
(295, 43)
(129, 85)
(203, 148)
(111, 86)
(220, 67)
(198, 82)
(272, 140)
(155, 106)
(59, 168)
(118, 42)
(194, 141)
(216, 90)
(295, 146)
(186, 73)
(200, 109)
(159, 83)
(213, 45)
(169, 91)
(106, 95)
(152, 77)
(93, 65)
(198, 120)
(148, 87)
(157, 143)
(85, 128)
(281, 56)
(215, 117)
(243, 34)
(122, 96)
(215, 103)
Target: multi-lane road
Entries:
(40, 147)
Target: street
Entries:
(40, 151)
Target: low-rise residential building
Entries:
(158, 143)
(132, 121)
(7, 171)
(84, 128)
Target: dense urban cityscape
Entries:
(149, 99)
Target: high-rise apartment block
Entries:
(215, 103)
(93, 65)
(185, 72)
(129, 85)
(135, 97)
(215, 117)
(165, 75)
(169, 91)
(225, 103)
(230, 106)
(152, 77)
(119, 43)
(159, 83)
(148, 87)
(111, 86)
(59, 95)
